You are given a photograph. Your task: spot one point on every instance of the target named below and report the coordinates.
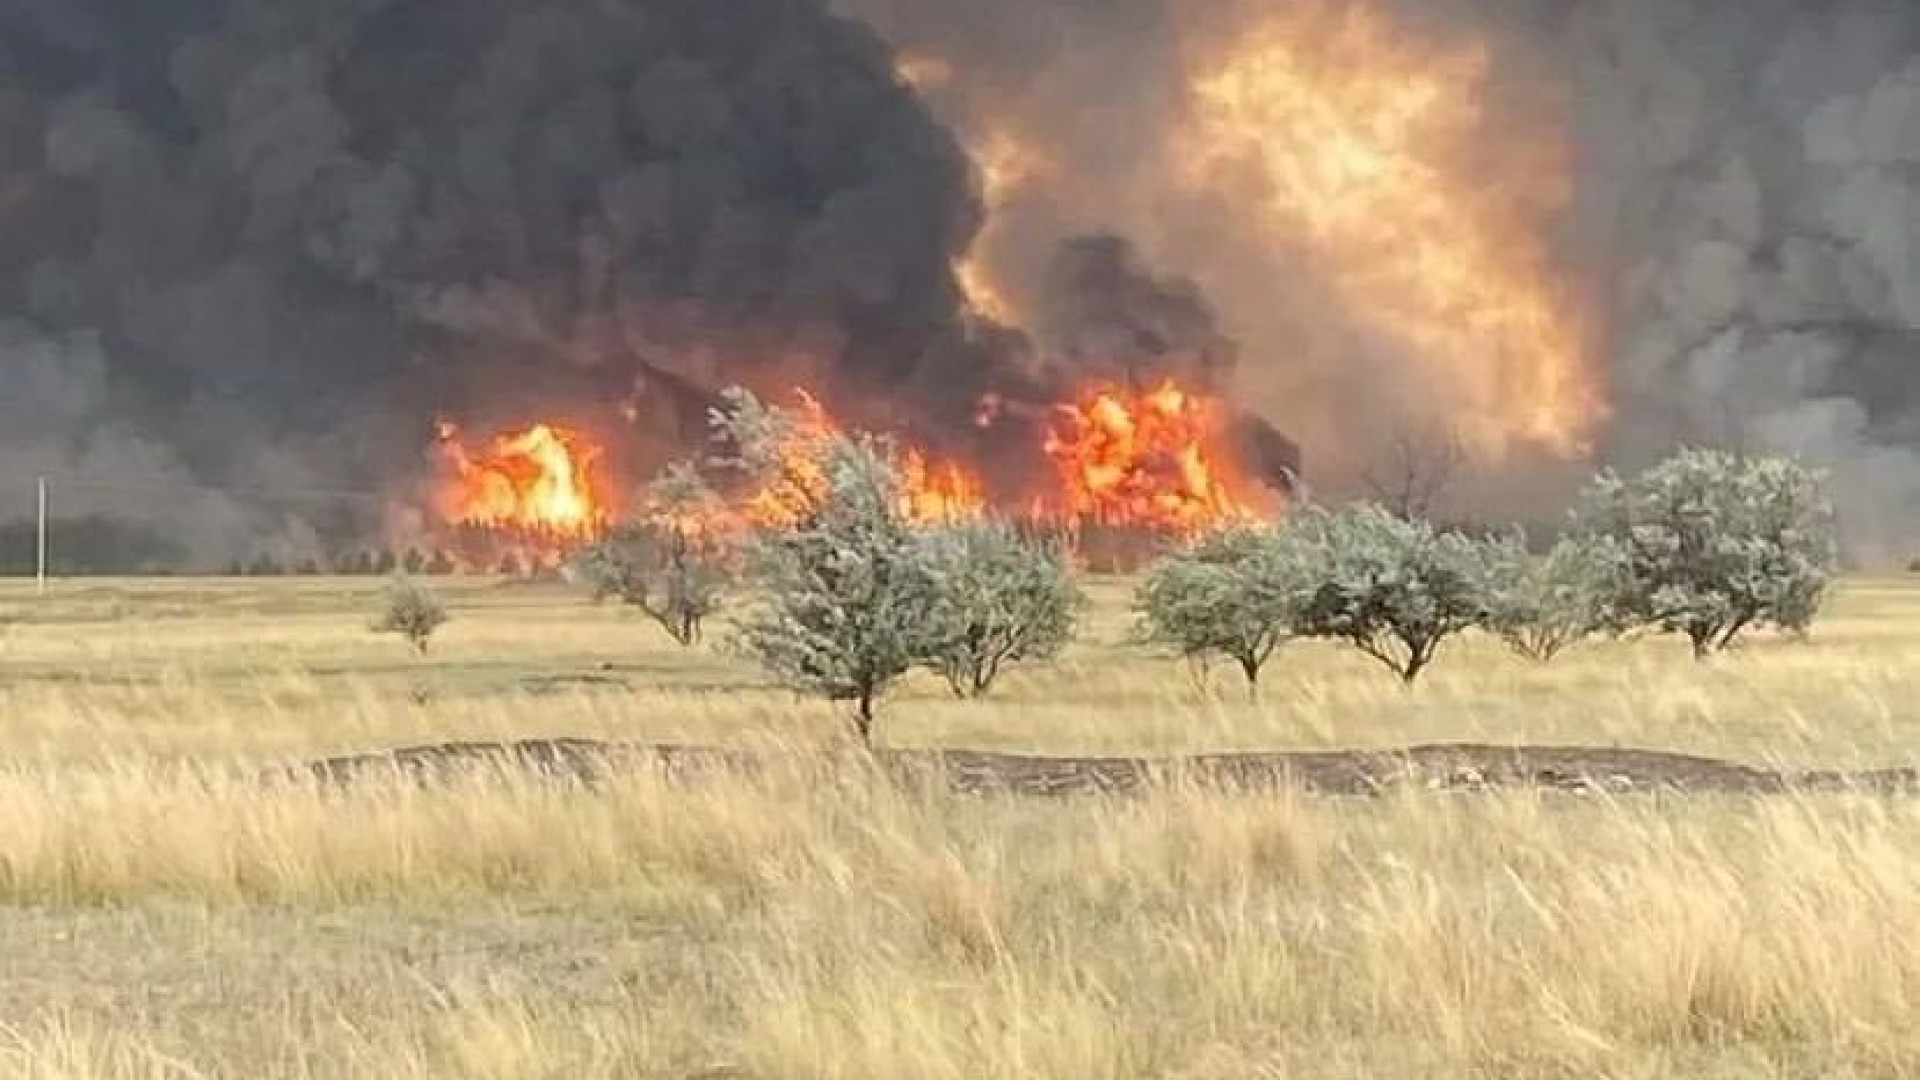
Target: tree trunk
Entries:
(1702, 643)
(863, 719)
(1417, 660)
(983, 677)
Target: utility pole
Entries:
(41, 560)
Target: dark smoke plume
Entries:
(1106, 316)
(254, 248)
(1744, 218)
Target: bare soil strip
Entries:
(1462, 767)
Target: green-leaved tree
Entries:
(1539, 605)
(1003, 598)
(1393, 588)
(674, 561)
(1714, 544)
(1234, 594)
(847, 593)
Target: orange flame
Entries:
(1358, 138)
(938, 492)
(538, 480)
(1143, 460)
(930, 492)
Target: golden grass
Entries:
(245, 670)
(162, 916)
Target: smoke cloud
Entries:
(1105, 316)
(1752, 170)
(259, 248)
(255, 249)
(1741, 233)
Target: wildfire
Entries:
(1142, 459)
(1136, 460)
(939, 492)
(1147, 460)
(931, 492)
(1354, 133)
(539, 480)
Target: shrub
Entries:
(1002, 599)
(848, 592)
(1234, 594)
(1540, 605)
(674, 563)
(675, 577)
(1714, 543)
(1394, 588)
(413, 612)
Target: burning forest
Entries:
(1156, 464)
(390, 272)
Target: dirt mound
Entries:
(1463, 767)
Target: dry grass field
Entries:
(163, 915)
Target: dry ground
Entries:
(162, 915)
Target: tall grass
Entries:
(164, 914)
(847, 928)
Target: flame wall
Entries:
(1611, 225)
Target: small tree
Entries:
(848, 592)
(1541, 605)
(1234, 594)
(1715, 543)
(1394, 588)
(1003, 599)
(674, 563)
(413, 612)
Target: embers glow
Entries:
(539, 480)
(1372, 151)
(1143, 459)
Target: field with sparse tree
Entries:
(167, 913)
